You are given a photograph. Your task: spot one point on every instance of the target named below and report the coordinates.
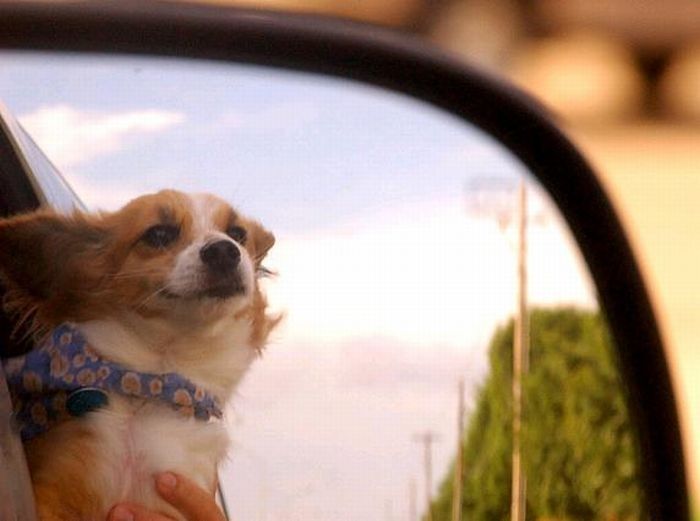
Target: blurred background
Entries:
(623, 79)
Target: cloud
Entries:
(100, 194)
(379, 365)
(426, 275)
(315, 421)
(71, 137)
(291, 115)
(385, 313)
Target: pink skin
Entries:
(194, 503)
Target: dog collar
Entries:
(65, 377)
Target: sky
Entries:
(395, 254)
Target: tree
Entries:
(579, 446)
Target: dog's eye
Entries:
(161, 235)
(237, 233)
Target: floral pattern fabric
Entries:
(41, 383)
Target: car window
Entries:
(51, 187)
(398, 246)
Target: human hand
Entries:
(193, 502)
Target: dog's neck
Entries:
(214, 355)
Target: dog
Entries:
(147, 319)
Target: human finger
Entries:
(132, 512)
(187, 497)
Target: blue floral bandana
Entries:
(65, 377)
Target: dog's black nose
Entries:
(220, 256)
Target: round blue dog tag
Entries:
(82, 401)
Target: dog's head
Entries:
(187, 259)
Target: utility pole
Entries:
(499, 206)
(427, 438)
(459, 463)
(521, 346)
(412, 496)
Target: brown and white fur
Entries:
(155, 304)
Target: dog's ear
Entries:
(263, 240)
(47, 261)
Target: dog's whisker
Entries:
(135, 273)
(150, 297)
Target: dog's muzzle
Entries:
(221, 259)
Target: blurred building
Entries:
(590, 60)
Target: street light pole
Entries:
(500, 209)
(520, 362)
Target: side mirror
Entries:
(351, 54)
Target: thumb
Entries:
(187, 497)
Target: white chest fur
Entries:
(139, 438)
